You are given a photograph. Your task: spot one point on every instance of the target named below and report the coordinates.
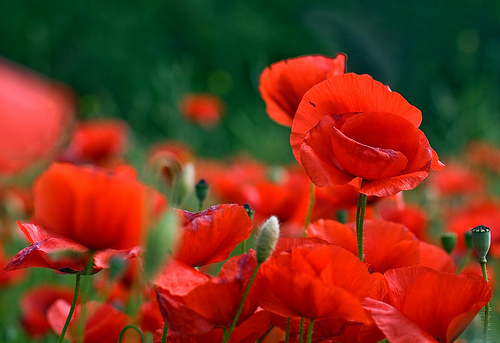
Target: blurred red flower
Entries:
(103, 322)
(35, 304)
(96, 208)
(34, 116)
(283, 84)
(353, 127)
(99, 142)
(193, 303)
(411, 216)
(203, 109)
(428, 305)
(314, 281)
(209, 236)
(455, 180)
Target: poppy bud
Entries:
(266, 240)
(184, 184)
(481, 240)
(201, 190)
(449, 241)
(249, 210)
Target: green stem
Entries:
(301, 331)
(243, 247)
(311, 205)
(310, 330)
(164, 334)
(465, 260)
(360, 219)
(242, 303)
(134, 327)
(86, 285)
(487, 307)
(287, 334)
(72, 308)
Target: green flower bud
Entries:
(249, 210)
(468, 239)
(481, 240)
(449, 241)
(267, 238)
(201, 190)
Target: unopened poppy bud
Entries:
(342, 216)
(201, 190)
(481, 240)
(267, 238)
(249, 210)
(184, 184)
(468, 239)
(449, 241)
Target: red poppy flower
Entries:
(436, 258)
(352, 127)
(387, 245)
(103, 322)
(100, 142)
(283, 84)
(423, 306)
(314, 281)
(209, 236)
(34, 116)
(35, 304)
(455, 180)
(61, 254)
(204, 109)
(193, 303)
(93, 207)
(483, 154)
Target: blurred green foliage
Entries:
(134, 59)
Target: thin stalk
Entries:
(72, 308)
(311, 205)
(133, 327)
(360, 219)
(86, 285)
(287, 334)
(301, 332)
(310, 330)
(242, 303)
(487, 307)
(164, 334)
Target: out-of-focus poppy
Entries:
(283, 84)
(103, 322)
(436, 258)
(96, 208)
(193, 303)
(483, 154)
(35, 304)
(34, 116)
(314, 281)
(99, 142)
(203, 109)
(61, 254)
(411, 216)
(209, 236)
(352, 127)
(482, 212)
(425, 305)
(456, 179)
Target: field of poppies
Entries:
(187, 220)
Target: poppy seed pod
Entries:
(449, 241)
(201, 190)
(266, 241)
(481, 240)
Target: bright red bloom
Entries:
(283, 84)
(411, 216)
(35, 304)
(425, 305)
(387, 245)
(93, 207)
(34, 116)
(204, 109)
(103, 322)
(59, 253)
(193, 303)
(352, 127)
(314, 281)
(209, 236)
(100, 142)
(455, 180)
